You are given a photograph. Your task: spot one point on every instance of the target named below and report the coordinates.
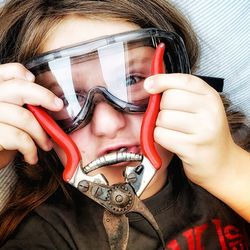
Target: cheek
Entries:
(60, 153)
(134, 123)
(86, 143)
(166, 157)
(83, 141)
(133, 127)
(81, 137)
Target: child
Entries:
(102, 111)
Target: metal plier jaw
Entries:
(138, 177)
(80, 176)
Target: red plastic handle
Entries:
(149, 119)
(61, 138)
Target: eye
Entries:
(72, 98)
(133, 79)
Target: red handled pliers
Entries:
(151, 161)
(122, 198)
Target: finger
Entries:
(159, 83)
(183, 122)
(182, 100)
(12, 138)
(23, 119)
(174, 141)
(10, 71)
(21, 92)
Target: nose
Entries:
(106, 120)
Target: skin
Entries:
(191, 123)
(20, 131)
(196, 129)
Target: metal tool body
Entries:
(119, 199)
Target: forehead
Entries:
(75, 29)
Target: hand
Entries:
(19, 130)
(192, 123)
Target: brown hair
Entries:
(25, 25)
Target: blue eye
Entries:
(133, 79)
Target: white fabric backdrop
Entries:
(223, 28)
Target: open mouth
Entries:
(112, 158)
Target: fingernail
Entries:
(33, 160)
(29, 77)
(49, 145)
(148, 84)
(58, 102)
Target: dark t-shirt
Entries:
(189, 217)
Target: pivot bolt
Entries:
(83, 186)
(96, 191)
(119, 198)
(132, 178)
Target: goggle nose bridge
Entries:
(100, 93)
(97, 95)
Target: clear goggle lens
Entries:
(113, 72)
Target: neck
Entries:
(156, 184)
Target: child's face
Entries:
(109, 129)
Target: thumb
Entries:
(158, 83)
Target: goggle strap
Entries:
(215, 82)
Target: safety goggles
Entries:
(110, 69)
